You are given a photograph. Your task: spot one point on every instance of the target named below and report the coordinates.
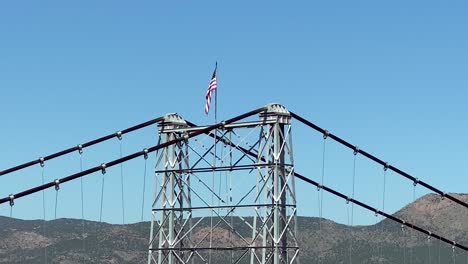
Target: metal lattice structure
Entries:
(213, 202)
(171, 221)
(276, 189)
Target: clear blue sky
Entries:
(389, 76)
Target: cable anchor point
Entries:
(57, 184)
(325, 134)
(386, 166)
(103, 168)
(119, 135)
(415, 182)
(80, 149)
(41, 161)
(145, 153)
(12, 199)
(356, 150)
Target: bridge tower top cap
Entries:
(275, 108)
(276, 112)
(171, 121)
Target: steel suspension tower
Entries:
(227, 196)
(276, 190)
(171, 223)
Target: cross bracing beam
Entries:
(221, 168)
(219, 207)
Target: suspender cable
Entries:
(57, 188)
(383, 204)
(439, 253)
(12, 202)
(429, 248)
(145, 156)
(84, 145)
(80, 152)
(352, 207)
(348, 219)
(320, 225)
(43, 206)
(325, 135)
(412, 233)
(377, 160)
(403, 234)
(103, 172)
(453, 254)
(375, 248)
(119, 136)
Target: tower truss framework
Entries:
(227, 196)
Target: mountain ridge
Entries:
(29, 241)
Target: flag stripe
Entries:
(211, 88)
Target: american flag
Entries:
(211, 88)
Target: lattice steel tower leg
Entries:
(275, 224)
(171, 223)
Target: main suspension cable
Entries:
(384, 214)
(377, 160)
(81, 146)
(132, 156)
(119, 136)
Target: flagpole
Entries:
(214, 160)
(216, 103)
(216, 94)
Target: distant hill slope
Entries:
(26, 241)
